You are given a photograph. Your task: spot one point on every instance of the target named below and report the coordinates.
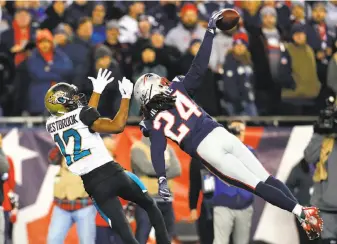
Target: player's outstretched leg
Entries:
(230, 160)
(112, 212)
(136, 192)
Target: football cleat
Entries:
(312, 223)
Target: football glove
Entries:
(214, 18)
(125, 88)
(163, 190)
(101, 81)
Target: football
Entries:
(230, 19)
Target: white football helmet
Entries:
(149, 85)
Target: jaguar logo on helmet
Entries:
(57, 98)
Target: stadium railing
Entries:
(30, 122)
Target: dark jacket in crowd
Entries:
(80, 53)
(300, 182)
(43, 74)
(237, 83)
(230, 196)
(53, 19)
(7, 73)
(76, 12)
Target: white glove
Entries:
(126, 88)
(101, 81)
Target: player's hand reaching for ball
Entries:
(125, 88)
(214, 18)
(102, 80)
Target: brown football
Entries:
(230, 19)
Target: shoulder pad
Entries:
(179, 78)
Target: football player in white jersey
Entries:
(75, 128)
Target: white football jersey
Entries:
(83, 149)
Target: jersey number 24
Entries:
(77, 152)
(186, 108)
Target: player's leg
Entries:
(143, 225)
(134, 190)
(112, 212)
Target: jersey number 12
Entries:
(186, 108)
(77, 153)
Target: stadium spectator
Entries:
(209, 101)
(37, 11)
(128, 23)
(76, 11)
(298, 12)
(320, 40)
(165, 13)
(72, 205)
(11, 202)
(62, 36)
(120, 52)
(148, 64)
(46, 66)
(283, 15)
(7, 73)
(56, 13)
(17, 37)
(98, 21)
(4, 167)
(300, 184)
(251, 13)
(321, 153)
(237, 84)
(233, 210)
(331, 17)
(187, 30)
(201, 180)
(6, 19)
(104, 234)
(110, 98)
(166, 55)
(300, 101)
(142, 166)
(332, 74)
(80, 50)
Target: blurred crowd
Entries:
(279, 60)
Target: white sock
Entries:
(298, 210)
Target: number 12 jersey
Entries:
(82, 148)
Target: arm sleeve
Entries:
(313, 150)
(199, 65)
(174, 169)
(89, 115)
(158, 147)
(195, 183)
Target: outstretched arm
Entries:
(94, 100)
(199, 65)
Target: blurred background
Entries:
(272, 81)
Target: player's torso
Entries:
(83, 150)
(184, 123)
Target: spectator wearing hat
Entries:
(110, 98)
(76, 11)
(55, 15)
(320, 40)
(237, 84)
(47, 65)
(128, 23)
(165, 13)
(209, 101)
(187, 30)
(17, 37)
(80, 49)
(283, 15)
(98, 21)
(301, 99)
(121, 52)
(62, 36)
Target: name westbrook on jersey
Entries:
(83, 148)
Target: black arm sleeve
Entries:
(195, 183)
(89, 115)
